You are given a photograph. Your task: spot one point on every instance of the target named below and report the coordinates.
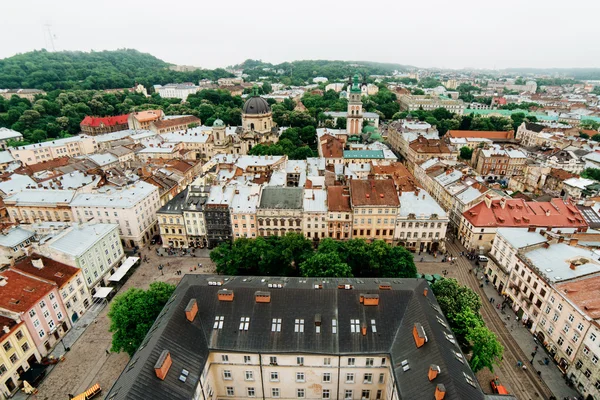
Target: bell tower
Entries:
(354, 120)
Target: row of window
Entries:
(351, 361)
(377, 211)
(301, 393)
(301, 377)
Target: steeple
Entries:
(354, 119)
(355, 84)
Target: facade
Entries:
(339, 213)
(497, 163)
(28, 94)
(176, 90)
(39, 152)
(100, 125)
(402, 132)
(193, 214)
(302, 338)
(33, 205)
(94, 248)
(173, 124)
(585, 372)
(423, 149)
(171, 222)
(430, 103)
(37, 303)
(375, 205)
(17, 354)
(133, 207)
(217, 215)
(280, 211)
(243, 211)
(8, 134)
(354, 120)
(14, 244)
(141, 120)
(314, 204)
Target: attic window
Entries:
(218, 322)
(373, 326)
(405, 366)
(244, 323)
(59, 274)
(459, 357)
(469, 379)
(441, 321)
(354, 326)
(276, 325)
(29, 289)
(450, 338)
(334, 326)
(299, 326)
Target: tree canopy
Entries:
(132, 314)
(591, 173)
(466, 153)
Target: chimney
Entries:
(37, 263)
(191, 310)
(5, 329)
(440, 391)
(425, 292)
(385, 286)
(370, 299)
(434, 370)
(363, 329)
(225, 295)
(546, 245)
(573, 242)
(531, 228)
(262, 297)
(419, 335)
(561, 239)
(573, 266)
(161, 368)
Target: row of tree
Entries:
(296, 143)
(294, 255)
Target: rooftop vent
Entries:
(385, 286)
(161, 368)
(37, 263)
(225, 295)
(262, 297)
(419, 334)
(192, 309)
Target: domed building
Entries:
(256, 114)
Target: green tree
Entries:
(132, 314)
(591, 173)
(486, 350)
(466, 153)
(596, 137)
(341, 123)
(454, 298)
(325, 265)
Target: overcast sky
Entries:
(424, 33)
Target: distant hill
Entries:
(576, 73)
(46, 70)
(305, 70)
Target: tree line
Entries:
(295, 255)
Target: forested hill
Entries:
(95, 70)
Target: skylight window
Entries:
(299, 326)
(218, 322)
(244, 323)
(354, 326)
(276, 325)
(334, 326)
(373, 326)
(441, 321)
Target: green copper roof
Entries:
(364, 154)
(369, 129)
(376, 137)
(355, 84)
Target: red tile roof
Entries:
(336, 200)
(374, 192)
(584, 293)
(404, 180)
(168, 123)
(54, 271)
(10, 323)
(556, 213)
(482, 134)
(424, 145)
(107, 121)
(331, 147)
(22, 292)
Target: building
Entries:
(332, 149)
(479, 223)
(498, 163)
(37, 303)
(257, 115)
(302, 338)
(339, 212)
(100, 125)
(8, 134)
(280, 211)
(94, 248)
(39, 152)
(401, 133)
(133, 207)
(17, 355)
(217, 215)
(69, 280)
(375, 205)
(176, 90)
(14, 244)
(354, 119)
(421, 223)
(430, 103)
(171, 222)
(584, 372)
(473, 139)
(28, 94)
(422, 149)
(314, 205)
(578, 188)
(193, 213)
(174, 124)
(243, 211)
(141, 120)
(32, 205)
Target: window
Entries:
(571, 318)
(569, 350)
(224, 358)
(247, 359)
(7, 346)
(249, 376)
(580, 327)
(560, 307)
(274, 376)
(365, 394)
(42, 304)
(19, 335)
(348, 394)
(354, 326)
(300, 360)
(299, 376)
(587, 373)
(276, 325)
(275, 392)
(327, 377)
(300, 393)
(349, 378)
(334, 326)
(326, 394)
(595, 359)
(218, 322)
(560, 341)
(14, 358)
(41, 333)
(2, 369)
(25, 346)
(327, 361)
(251, 392)
(379, 393)
(593, 337)
(299, 325)
(230, 391)
(381, 378)
(351, 361)
(368, 378)
(244, 323)
(32, 313)
(227, 375)
(273, 360)
(369, 362)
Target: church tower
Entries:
(354, 120)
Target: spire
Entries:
(355, 85)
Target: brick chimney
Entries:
(161, 368)
(262, 297)
(440, 391)
(370, 299)
(363, 329)
(225, 295)
(573, 242)
(434, 370)
(573, 266)
(531, 228)
(191, 310)
(425, 291)
(561, 239)
(419, 335)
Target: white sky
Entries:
(425, 33)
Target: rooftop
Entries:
(245, 199)
(22, 292)
(521, 237)
(175, 205)
(584, 294)
(6, 134)
(168, 123)
(421, 204)
(45, 197)
(395, 318)
(79, 238)
(364, 154)
(15, 236)
(47, 269)
(338, 199)
(374, 192)
(281, 198)
(555, 261)
(482, 134)
(114, 197)
(106, 121)
(315, 200)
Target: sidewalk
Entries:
(527, 342)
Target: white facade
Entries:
(315, 211)
(176, 91)
(46, 151)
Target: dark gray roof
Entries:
(189, 343)
(534, 127)
(281, 198)
(256, 105)
(175, 205)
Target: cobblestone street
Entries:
(87, 362)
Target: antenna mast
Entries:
(48, 28)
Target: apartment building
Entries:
(585, 371)
(14, 244)
(9, 134)
(314, 205)
(37, 303)
(141, 120)
(35, 205)
(243, 211)
(176, 90)
(193, 214)
(498, 163)
(17, 355)
(401, 133)
(339, 213)
(171, 222)
(217, 215)
(173, 124)
(375, 205)
(71, 147)
(430, 103)
(132, 207)
(100, 125)
(96, 249)
(422, 149)
(280, 211)
(421, 223)
(233, 337)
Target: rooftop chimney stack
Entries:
(161, 368)
(191, 310)
(434, 370)
(225, 295)
(573, 242)
(440, 391)
(5, 329)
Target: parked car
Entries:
(482, 259)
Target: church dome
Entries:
(218, 123)
(256, 105)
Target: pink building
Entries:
(36, 302)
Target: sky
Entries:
(210, 34)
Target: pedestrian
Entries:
(524, 367)
(519, 363)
